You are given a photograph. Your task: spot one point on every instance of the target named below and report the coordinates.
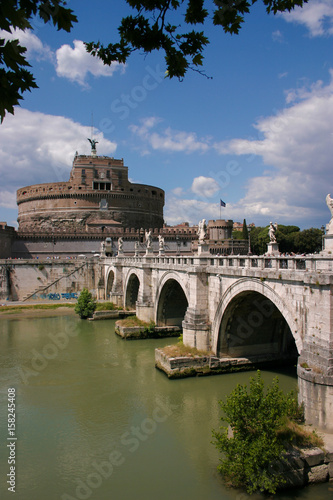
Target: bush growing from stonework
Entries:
(253, 440)
(85, 305)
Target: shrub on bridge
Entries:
(85, 305)
(255, 438)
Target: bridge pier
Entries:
(196, 331)
(315, 384)
(316, 393)
(145, 311)
(196, 328)
(251, 307)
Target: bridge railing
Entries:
(263, 262)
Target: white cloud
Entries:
(75, 64)
(298, 138)
(7, 199)
(317, 16)
(298, 144)
(178, 142)
(182, 210)
(277, 36)
(37, 148)
(205, 187)
(35, 48)
(170, 140)
(72, 63)
(146, 124)
(178, 191)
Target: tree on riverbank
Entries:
(85, 305)
(261, 424)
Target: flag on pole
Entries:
(222, 204)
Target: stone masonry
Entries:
(242, 306)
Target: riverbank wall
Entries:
(49, 280)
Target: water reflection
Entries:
(96, 420)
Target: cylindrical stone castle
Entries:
(98, 194)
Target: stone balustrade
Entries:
(269, 264)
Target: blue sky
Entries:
(258, 135)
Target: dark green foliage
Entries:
(259, 240)
(148, 29)
(14, 75)
(237, 235)
(290, 240)
(245, 233)
(230, 13)
(107, 306)
(85, 305)
(308, 241)
(254, 417)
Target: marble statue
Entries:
(202, 233)
(160, 242)
(149, 239)
(271, 232)
(329, 226)
(120, 245)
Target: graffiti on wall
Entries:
(57, 296)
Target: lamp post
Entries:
(249, 233)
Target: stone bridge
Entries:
(241, 306)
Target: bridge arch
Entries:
(109, 282)
(171, 301)
(247, 307)
(131, 289)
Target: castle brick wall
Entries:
(7, 235)
(98, 193)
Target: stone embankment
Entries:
(150, 332)
(196, 365)
(114, 314)
(308, 466)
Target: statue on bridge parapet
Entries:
(329, 226)
(271, 232)
(149, 242)
(272, 246)
(120, 246)
(202, 231)
(203, 247)
(328, 237)
(149, 239)
(161, 248)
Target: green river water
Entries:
(95, 419)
